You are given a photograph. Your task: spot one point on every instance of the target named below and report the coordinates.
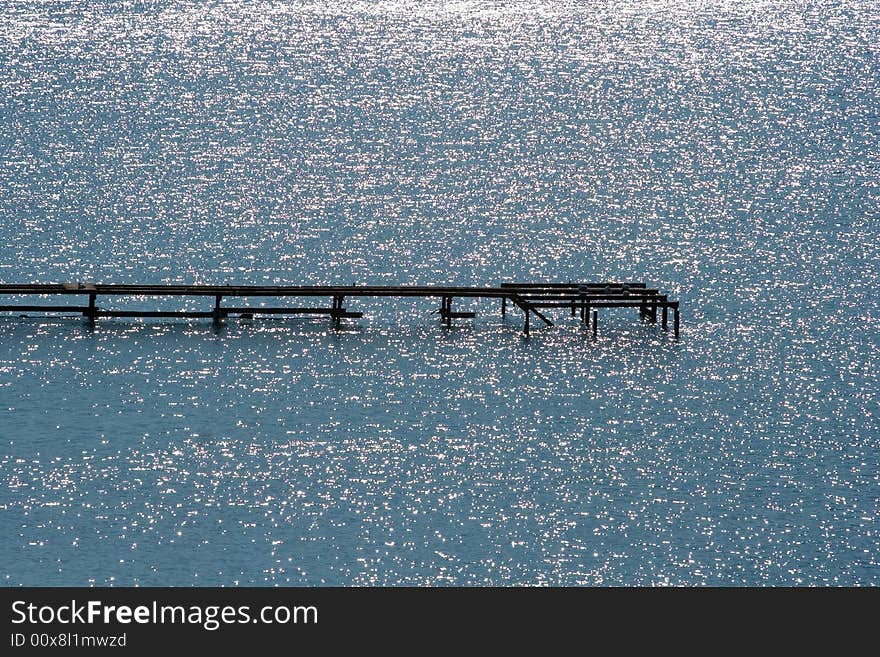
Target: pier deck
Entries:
(579, 298)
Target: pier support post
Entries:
(665, 315)
(526, 327)
(572, 307)
(654, 313)
(445, 309)
(675, 321)
(216, 314)
(503, 306)
(595, 323)
(337, 306)
(92, 312)
(585, 314)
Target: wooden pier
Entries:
(583, 299)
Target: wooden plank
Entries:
(244, 291)
(527, 308)
(597, 304)
(568, 285)
(546, 321)
(248, 313)
(155, 313)
(9, 288)
(571, 294)
(46, 309)
(283, 311)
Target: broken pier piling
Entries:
(531, 298)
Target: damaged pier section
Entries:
(583, 299)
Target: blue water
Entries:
(724, 151)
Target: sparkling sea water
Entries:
(723, 150)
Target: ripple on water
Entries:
(725, 152)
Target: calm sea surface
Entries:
(726, 151)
